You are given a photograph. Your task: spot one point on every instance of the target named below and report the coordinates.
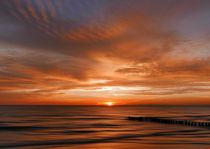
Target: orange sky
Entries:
(92, 52)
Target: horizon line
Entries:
(106, 105)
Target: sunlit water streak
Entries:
(60, 127)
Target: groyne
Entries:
(170, 121)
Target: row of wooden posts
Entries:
(170, 121)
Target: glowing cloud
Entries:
(85, 52)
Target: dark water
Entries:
(94, 127)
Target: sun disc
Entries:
(109, 103)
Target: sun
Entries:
(109, 103)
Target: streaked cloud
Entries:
(75, 51)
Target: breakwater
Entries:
(170, 121)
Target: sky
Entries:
(89, 52)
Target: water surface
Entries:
(93, 127)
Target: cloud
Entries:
(45, 27)
(51, 47)
(170, 66)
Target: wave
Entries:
(91, 141)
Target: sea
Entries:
(101, 127)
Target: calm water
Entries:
(92, 127)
